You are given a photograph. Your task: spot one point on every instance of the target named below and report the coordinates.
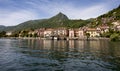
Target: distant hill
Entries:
(2, 28)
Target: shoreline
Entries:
(75, 38)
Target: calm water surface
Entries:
(62, 55)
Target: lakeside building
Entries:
(64, 32)
(8, 33)
(61, 32)
(93, 32)
(72, 33)
(40, 32)
(48, 32)
(79, 32)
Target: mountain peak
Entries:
(60, 16)
(60, 13)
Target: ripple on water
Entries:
(21, 55)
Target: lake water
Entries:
(62, 55)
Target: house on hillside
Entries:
(104, 28)
(93, 32)
(118, 27)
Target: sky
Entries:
(14, 12)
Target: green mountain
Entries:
(2, 27)
(113, 15)
(59, 17)
(107, 19)
(59, 20)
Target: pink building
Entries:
(79, 32)
(40, 32)
(71, 33)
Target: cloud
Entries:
(86, 13)
(70, 9)
(12, 18)
(14, 12)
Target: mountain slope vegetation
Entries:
(108, 18)
(59, 20)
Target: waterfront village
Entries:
(65, 33)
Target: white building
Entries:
(48, 32)
(9, 33)
(93, 32)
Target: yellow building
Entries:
(93, 32)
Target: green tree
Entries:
(24, 33)
(114, 37)
(88, 35)
(35, 35)
(2, 34)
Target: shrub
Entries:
(114, 37)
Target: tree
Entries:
(35, 35)
(24, 33)
(30, 35)
(88, 35)
(114, 37)
(2, 34)
(106, 34)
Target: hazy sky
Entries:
(13, 12)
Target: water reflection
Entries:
(98, 48)
(52, 55)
